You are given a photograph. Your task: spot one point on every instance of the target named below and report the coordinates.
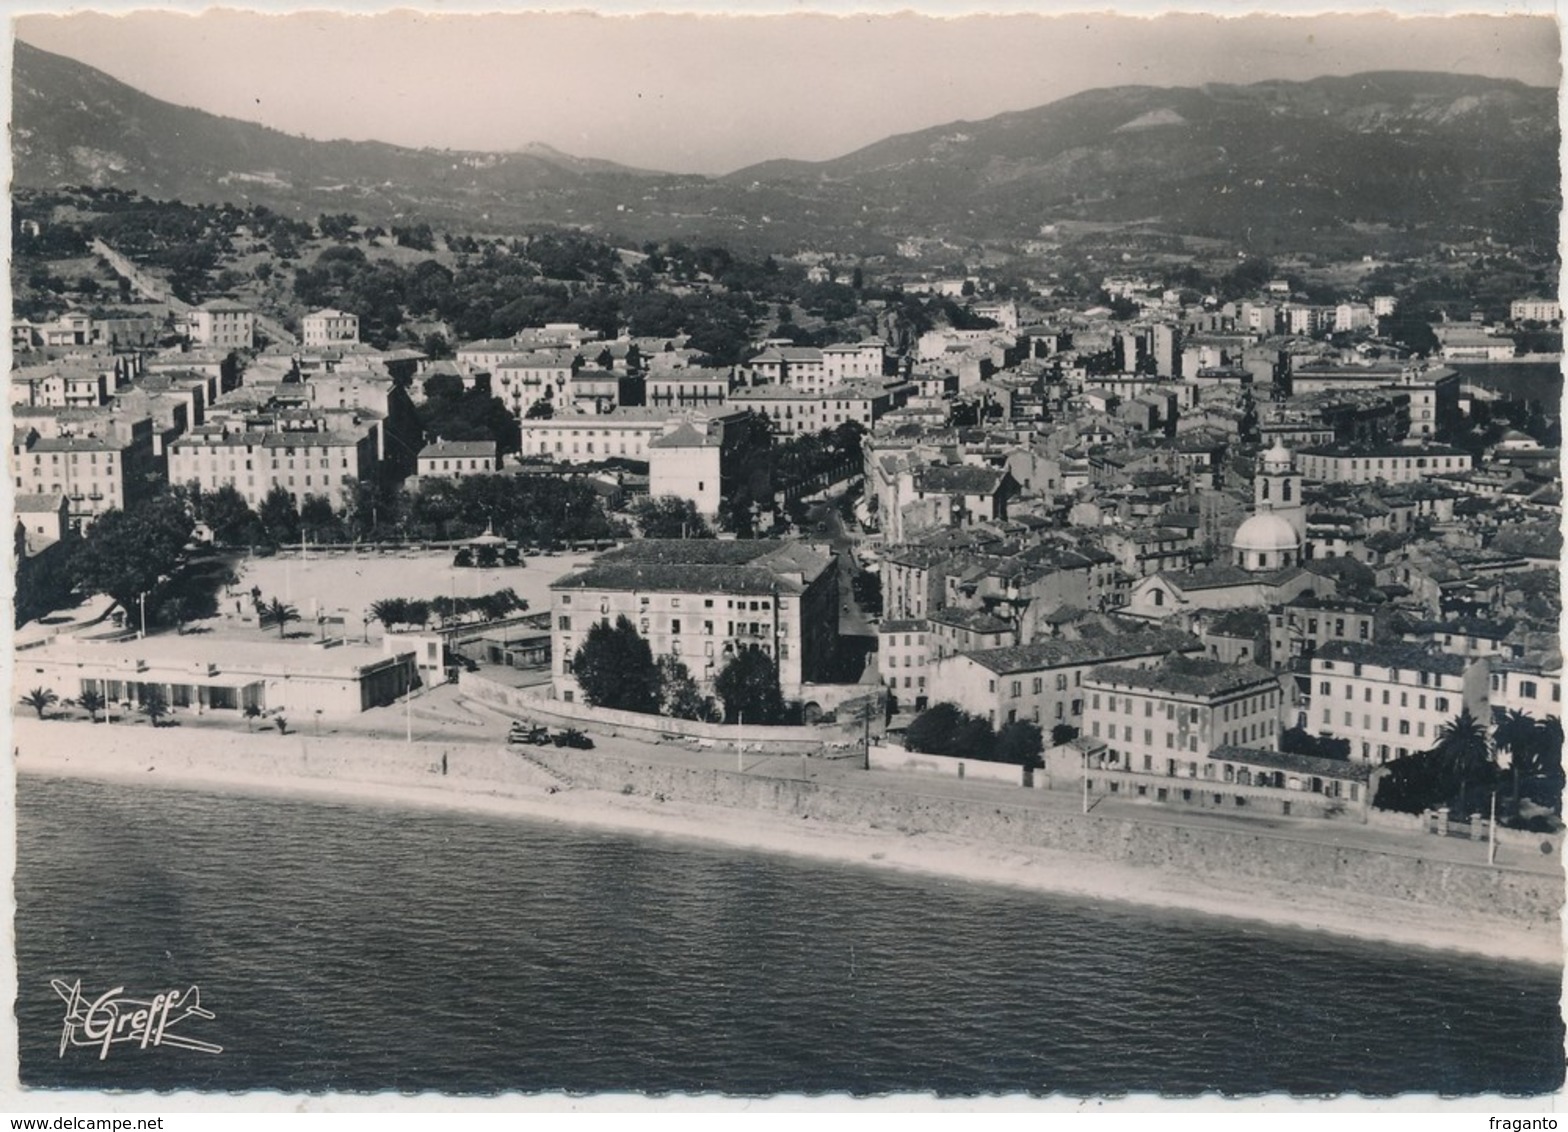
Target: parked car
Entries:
(523, 733)
(572, 737)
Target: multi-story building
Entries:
(329, 328)
(800, 367)
(704, 601)
(102, 466)
(222, 324)
(701, 460)
(695, 387)
(521, 380)
(1534, 688)
(62, 386)
(1433, 389)
(1535, 310)
(853, 361)
(576, 438)
(323, 462)
(1390, 700)
(1389, 463)
(902, 654)
(955, 630)
(1297, 630)
(1164, 716)
(1165, 347)
(793, 412)
(1042, 683)
(454, 459)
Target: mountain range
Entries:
(1448, 156)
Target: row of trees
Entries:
(416, 612)
(529, 510)
(616, 668)
(1461, 770)
(946, 729)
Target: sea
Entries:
(357, 948)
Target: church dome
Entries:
(1266, 532)
(1277, 458)
(1266, 542)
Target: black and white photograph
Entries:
(867, 557)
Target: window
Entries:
(564, 623)
(1527, 689)
(1441, 704)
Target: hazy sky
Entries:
(695, 93)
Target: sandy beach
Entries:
(41, 751)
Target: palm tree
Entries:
(252, 712)
(389, 611)
(154, 705)
(40, 700)
(1519, 735)
(92, 702)
(1465, 752)
(280, 613)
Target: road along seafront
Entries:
(1299, 879)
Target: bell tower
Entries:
(1277, 489)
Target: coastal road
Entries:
(444, 715)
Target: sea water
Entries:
(365, 948)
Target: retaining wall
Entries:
(533, 704)
(883, 757)
(1228, 856)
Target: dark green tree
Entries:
(749, 688)
(1021, 743)
(128, 553)
(317, 517)
(615, 668)
(670, 516)
(227, 515)
(932, 732)
(278, 516)
(443, 386)
(679, 696)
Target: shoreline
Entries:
(933, 855)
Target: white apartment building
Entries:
(454, 459)
(329, 328)
(1390, 700)
(901, 659)
(1167, 718)
(703, 601)
(1534, 689)
(578, 438)
(1535, 310)
(222, 324)
(327, 463)
(1042, 683)
(1390, 463)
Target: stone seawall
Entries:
(1231, 857)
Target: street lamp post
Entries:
(142, 601)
